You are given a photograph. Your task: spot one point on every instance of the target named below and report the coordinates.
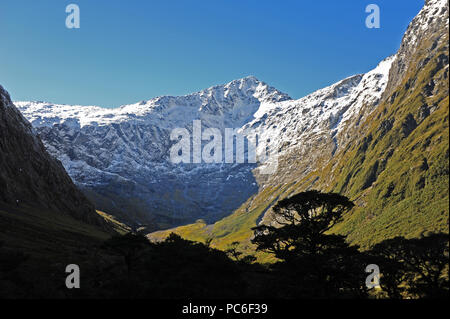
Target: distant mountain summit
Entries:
(341, 138)
(29, 175)
(222, 100)
(381, 139)
(120, 157)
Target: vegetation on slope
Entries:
(398, 173)
(34, 255)
(396, 170)
(115, 224)
(36, 245)
(234, 228)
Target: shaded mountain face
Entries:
(120, 157)
(29, 175)
(340, 138)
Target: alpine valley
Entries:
(379, 138)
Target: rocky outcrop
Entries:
(395, 163)
(424, 34)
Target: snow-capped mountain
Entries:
(120, 157)
(382, 144)
(317, 125)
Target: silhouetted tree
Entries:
(304, 218)
(129, 246)
(187, 269)
(314, 263)
(248, 259)
(415, 267)
(239, 256)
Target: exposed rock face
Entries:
(29, 175)
(310, 131)
(350, 130)
(428, 26)
(385, 166)
(120, 157)
(391, 156)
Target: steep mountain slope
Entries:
(393, 155)
(46, 223)
(398, 172)
(312, 129)
(305, 133)
(120, 157)
(380, 138)
(29, 175)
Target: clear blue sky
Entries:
(127, 51)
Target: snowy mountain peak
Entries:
(105, 150)
(231, 104)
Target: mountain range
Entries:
(120, 157)
(380, 138)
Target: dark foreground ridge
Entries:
(29, 175)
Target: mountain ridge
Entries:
(30, 176)
(394, 165)
(120, 157)
(106, 151)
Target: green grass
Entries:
(398, 181)
(233, 228)
(115, 224)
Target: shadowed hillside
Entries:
(29, 175)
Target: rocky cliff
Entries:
(29, 176)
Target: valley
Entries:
(124, 190)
